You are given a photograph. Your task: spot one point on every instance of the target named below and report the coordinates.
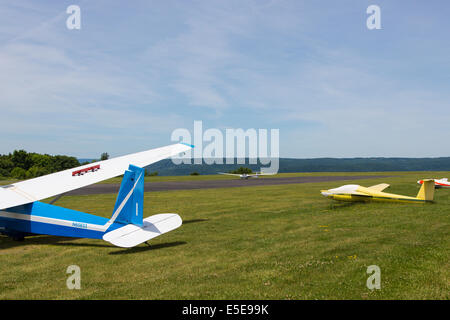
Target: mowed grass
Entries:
(266, 242)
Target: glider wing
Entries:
(379, 187)
(36, 189)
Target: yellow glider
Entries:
(353, 192)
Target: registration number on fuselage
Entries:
(79, 225)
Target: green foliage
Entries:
(195, 173)
(21, 159)
(23, 165)
(150, 174)
(63, 162)
(18, 173)
(6, 166)
(36, 171)
(242, 170)
(41, 160)
(4, 173)
(104, 156)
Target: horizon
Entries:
(367, 158)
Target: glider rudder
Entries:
(130, 199)
(426, 191)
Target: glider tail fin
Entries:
(129, 209)
(426, 191)
(129, 203)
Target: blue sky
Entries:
(313, 70)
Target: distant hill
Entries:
(83, 160)
(167, 168)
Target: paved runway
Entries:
(209, 184)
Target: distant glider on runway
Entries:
(247, 175)
(353, 192)
(439, 183)
(22, 213)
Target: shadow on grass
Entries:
(72, 244)
(194, 221)
(339, 205)
(149, 247)
(7, 242)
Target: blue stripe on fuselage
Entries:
(50, 211)
(47, 228)
(77, 227)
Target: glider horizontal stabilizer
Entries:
(131, 235)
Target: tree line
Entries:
(25, 165)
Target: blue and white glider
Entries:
(22, 213)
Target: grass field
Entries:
(266, 242)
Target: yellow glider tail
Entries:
(426, 191)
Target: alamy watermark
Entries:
(74, 20)
(374, 20)
(374, 281)
(212, 146)
(74, 280)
